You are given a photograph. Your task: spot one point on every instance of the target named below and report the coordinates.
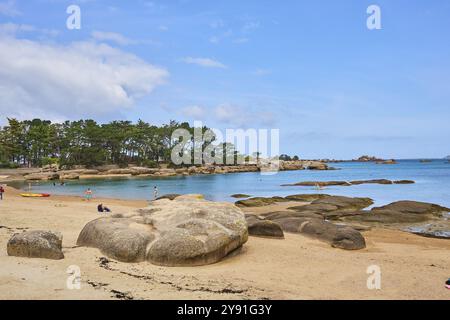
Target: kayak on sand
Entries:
(35, 195)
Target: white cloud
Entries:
(112, 36)
(194, 112)
(204, 62)
(8, 8)
(83, 79)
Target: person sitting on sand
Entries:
(88, 194)
(101, 208)
(2, 190)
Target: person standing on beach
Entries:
(2, 190)
(155, 192)
(88, 194)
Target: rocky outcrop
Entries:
(259, 201)
(346, 183)
(169, 196)
(240, 195)
(53, 172)
(186, 231)
(318, 183)
(260, 227)
(305, 197)
(398, 213)
(344, 203)
(391, 161)
(36, 244)
(438, 229)
(42, 176)
(315, 165)
(415, 207)
(343, 237)
(368, 159)
(69, 176)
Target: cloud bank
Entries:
(82, 79)
(204, 62)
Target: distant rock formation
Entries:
(346, 183)
(366, 158)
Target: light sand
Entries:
(297, 267)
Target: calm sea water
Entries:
(432, 183)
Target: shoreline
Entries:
(53, 173)
(296, 267)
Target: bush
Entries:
(49, 161)
(150, 163)
(8, 165)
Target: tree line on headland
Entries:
(34, 143)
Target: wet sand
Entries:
(412, 267)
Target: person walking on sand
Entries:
(88, 194)
(2, 190)
(155, 192)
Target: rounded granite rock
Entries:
(186, 231)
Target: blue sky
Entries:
(310, 68)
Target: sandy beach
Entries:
(297, 267)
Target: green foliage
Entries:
(37, 142)
(49, 161)
(8, 165)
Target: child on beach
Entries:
(2, 190)
(155, 192)
(88, 194)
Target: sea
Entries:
(432, 183)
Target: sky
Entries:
(311, 69)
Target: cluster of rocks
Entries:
(187, 230)
(347, 183)
(53, 172)
(366, 159)
(418, 217)
(310, 220)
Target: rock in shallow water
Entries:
(184, 232)
(36, 244)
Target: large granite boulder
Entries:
(260, 227)
(36, 244)
(186, 231)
